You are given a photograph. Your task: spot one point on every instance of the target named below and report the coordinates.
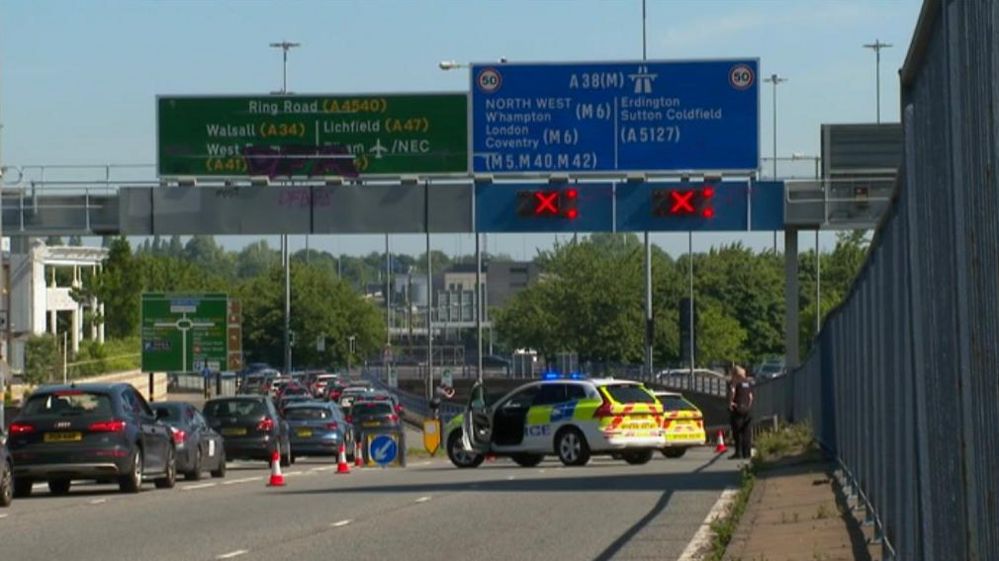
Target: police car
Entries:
(683, 424)
(571, 417)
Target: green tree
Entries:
(256, 259)
(321, 305)
(41, 359)
(204, 253)
(118, 286)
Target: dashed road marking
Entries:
(199, 486)
(511, 477)
(422, 499)
(244, 480)
(232, 554)
(4, 515)
(341, 523)
(98, 501)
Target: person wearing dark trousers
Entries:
(741, 405)
(733, 379)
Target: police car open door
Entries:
(477, 430)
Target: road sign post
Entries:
(312, 136)
(650, 116)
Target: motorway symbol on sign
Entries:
(312, 135)
(620, 116)
(383, 449)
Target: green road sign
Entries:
(312, 135)
(184, 332)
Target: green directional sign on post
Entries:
(184, 332)
(312, 135)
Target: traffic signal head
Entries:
(684, 201)
(548, 203)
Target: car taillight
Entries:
(667, 424)
(604, 410)
(266, 425)
(394, 418)
(116, 425)
(178, 436)
(21, 428)
(349, 419)
(333, 426)
(398, 409)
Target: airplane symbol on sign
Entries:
(378, 149)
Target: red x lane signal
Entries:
(548, 203)
(686, 201)
(681, 202)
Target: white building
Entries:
(32, 302)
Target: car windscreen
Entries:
(235, 408)
(372, 409)
(676, 403)
(68, 403)
(307, 413)
(629, 393)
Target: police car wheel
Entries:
(674, 452)
(571, 447)
(638, 457)
(527, 460)
(459, 456)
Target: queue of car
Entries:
(110, 434)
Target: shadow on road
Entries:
(714, 481)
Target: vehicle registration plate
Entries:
(371, 424)
(234, 431)
(304, 433)
(63, 437)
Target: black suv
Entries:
(90, 431)
(251, 428)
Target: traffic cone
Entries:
(341, 465)
(358, 455)
(277, 478)
(721, 448)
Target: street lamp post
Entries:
(775, 79)
(876, 46)
(285, 46)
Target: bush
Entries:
(41, 359)
(115, 355)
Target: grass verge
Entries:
(771, 447)
(724, 527)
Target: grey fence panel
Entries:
(901, 383)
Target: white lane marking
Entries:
(4, 515)
(324, 468)
(98, 501)
(199, 486)
(341, 523)
(232, 554)
(427, 463)
(541, 471)
(511, 477)
(701, 541)
(422, 499)
(244, 480)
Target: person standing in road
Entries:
(740, 405)
(733, 379)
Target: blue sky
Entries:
(78, 78)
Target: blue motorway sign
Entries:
(544, 207)
(615, 117)
(383, 449)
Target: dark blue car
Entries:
(90, 431)
(199, 448)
